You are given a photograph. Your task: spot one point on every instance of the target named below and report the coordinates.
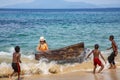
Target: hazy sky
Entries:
(59, 3)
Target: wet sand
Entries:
(80, 75)
(112, 74)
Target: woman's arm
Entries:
(38, 47)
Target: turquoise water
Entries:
(60, 28)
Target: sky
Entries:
(41, 4)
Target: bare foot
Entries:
(114, 67)
(93, 72)
(98, 71)
(10, 78)
(110, 67)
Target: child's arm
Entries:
(19, 58)
(102, 57)
(109, 48)
(115, 48)
(89, 54)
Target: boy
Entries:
(15, 62)
(112, 56)
(96, 59)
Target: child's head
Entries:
(17, 49)
(96, 46)
(111, 37)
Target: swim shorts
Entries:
(97, 61)
(16, 67)
(111, 58)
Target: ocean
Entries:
(60, 27)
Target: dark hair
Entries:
(96, 46)
(111, 36)
(44, 41)
(17, 49)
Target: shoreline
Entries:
(109, 74)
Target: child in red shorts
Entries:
(96, 59)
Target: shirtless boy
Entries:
(15, 62)
(111, 58)
(96, 59)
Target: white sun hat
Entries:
(42, 38)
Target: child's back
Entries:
(96, 59)
(96, 53)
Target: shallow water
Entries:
(60, 28)
(30, 66)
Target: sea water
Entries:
(60, 27)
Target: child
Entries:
(96, 59)
(113, 54)
(15, 62)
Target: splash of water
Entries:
(29, 66)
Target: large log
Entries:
(67, 53)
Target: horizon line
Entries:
(65, 8)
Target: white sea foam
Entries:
(42, 67)
(30, 57)
(45, 67)
(9, 52)
(5, 69)
(4, 53)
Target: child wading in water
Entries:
(15, 62)
(111, 58)
(96, 59)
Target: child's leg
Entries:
(94, 69)
(18, 75)
(10, 76)
(111, 60)
(102, 66)
(111, 65)
(114, 66)
(18, 66)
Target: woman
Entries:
(42, 46)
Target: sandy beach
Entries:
(80, 75)
(112, 74)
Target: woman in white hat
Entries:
(42, 46)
